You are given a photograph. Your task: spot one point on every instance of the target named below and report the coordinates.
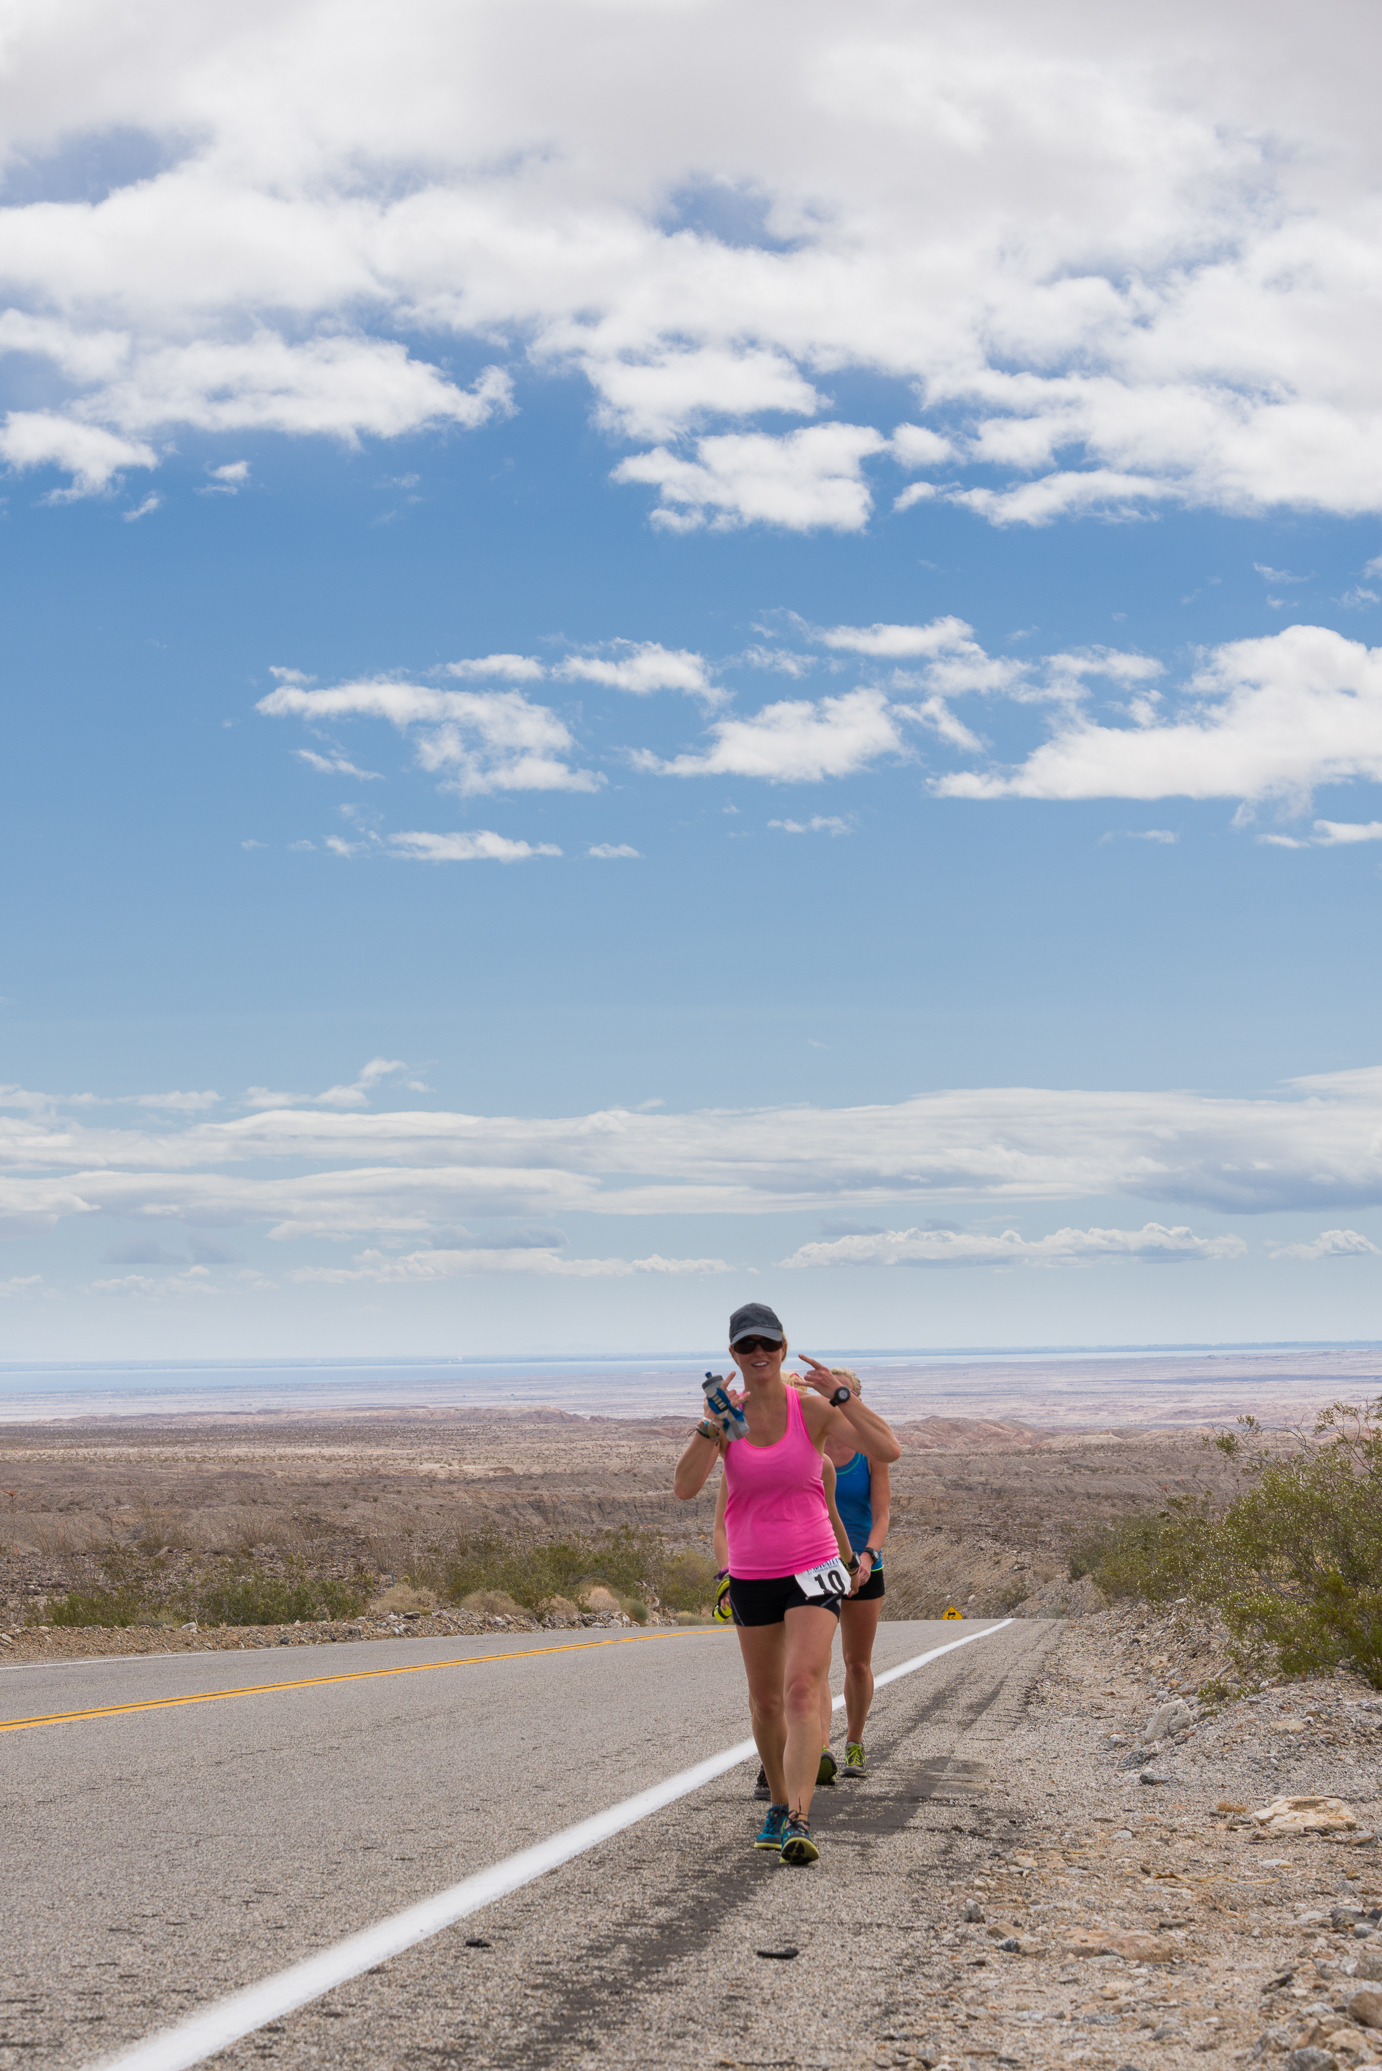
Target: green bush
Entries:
(249, 1594)
(1303, 1547)
(124, 1606)
(1293, 1563)
(630, 1564)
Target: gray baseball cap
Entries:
(755, 1320)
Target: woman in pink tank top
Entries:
(786, 1579)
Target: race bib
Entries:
(830, 1579)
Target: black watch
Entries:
(842, 1394)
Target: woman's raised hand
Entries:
(824, 1379)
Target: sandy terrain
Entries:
(984, 1509)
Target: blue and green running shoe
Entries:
(797, 1846)
(774, 1829)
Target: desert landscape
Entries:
(985, 1510)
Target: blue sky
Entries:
(610, 714)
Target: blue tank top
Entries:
(853, 1500)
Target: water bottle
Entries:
(722, 1411)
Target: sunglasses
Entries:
(758, 1345)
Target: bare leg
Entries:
(810, 1636)
(827, 1709)
(764, 1648)
(858, 1624)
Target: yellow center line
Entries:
(358, 1675)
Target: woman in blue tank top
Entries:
(863, 1498)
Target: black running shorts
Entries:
(766, 1603)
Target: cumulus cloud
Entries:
(93, 457)
(1329, 1244)
(1153, 275)
(477, 846)
(798, 741)
(1263, 718)
(421, 1266)
(641, 666)
(1153, 1244)
(514, 668)
(478, 741)
(821, 823)
(803, 481)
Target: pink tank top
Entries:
(775, 1509)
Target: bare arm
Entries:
(693, 1468)
(855, 1425)
(721, 1532)
(841, 1536)
(880, 1503)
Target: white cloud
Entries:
(479, 846)
(335, 765)
(196, 1280)
(895, 643)
(820, 824)
(609, 850)
(802, 481)
(423, 1266)
(514, 668)
(1262, 718)
(227, 480)
(1329, 1244)
(659, 397)
(1153, 1244)
(794, 742)
(642, 666)
(1342, 833)
(1154, 273)
(914, 445)
(355, 1095)
(145, 509)
(94, 458)
(480, 741)
(20, 1283)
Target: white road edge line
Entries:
(192, 2041)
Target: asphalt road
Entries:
(157, 1859)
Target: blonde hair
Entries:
(794, 1380)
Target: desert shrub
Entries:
(131, 1591)
(631, 1564)
(121, 1606)
(1293, 1562)
(1157, 1555)
(248, 1594)
(1301, 1562)
(1011, 1595)
(635, 1608)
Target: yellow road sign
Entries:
(951, 1612)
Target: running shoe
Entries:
(825, 1773)
(760, 1789)
(774, 1828)
(856, 1761)
(797, 1846)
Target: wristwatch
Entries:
(842, 1394)
(852, 1564)
(871, 1551)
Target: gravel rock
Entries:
(1366, 2008)
(1310, 2059)
(1166, 1720)
(1306, 1816)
